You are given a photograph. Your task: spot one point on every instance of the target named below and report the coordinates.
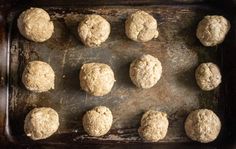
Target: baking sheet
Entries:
(176, 93)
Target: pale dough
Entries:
(145, 71)
(41, 123)
(202, 125)
(98, 121)
(212, 30)
(141, 27)
(94, 30)
(208, 76)
(96, 78)
(35, 24)
(38, 76)
(154, 126)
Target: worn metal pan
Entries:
(176, 93)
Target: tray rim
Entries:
(5, 44)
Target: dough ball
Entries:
(41, 123)
(141, 27)
(212, 30)
(202, 125)
(38, 77)
(154, 126)
(98, 121)
(96, 78)
(94, 30)
(208, 76)
(35, 24)
(145, 71)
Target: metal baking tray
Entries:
(176, 93)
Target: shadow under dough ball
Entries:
(202, 125)
(38, 76)
(35, 24)
(212, 30)
(93, 30)
(41, 123)
(96, 78)
(208, 76)
(145, 71)
(141, 27)
(154, 126)
(98, 121)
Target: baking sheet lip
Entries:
(111, 3)
(17, 10)
(7, 131)
(116, 143)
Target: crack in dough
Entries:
(202, 125)
(41, 123)
(208, 76)
(141, 27)
(94, 30)
(154, 126)
(96, 78)
(98, 121)
(38, 76)
(145, 71)
(212, 30)
(35, 24)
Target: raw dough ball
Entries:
(145, 71)
(41, 123)
(208, 76)
(154, 126)
(98, 121)
(94, 30)
(141, 27)
(96, 78)
(202, 125)
(212, 30)
(38, 77)
(34, 24)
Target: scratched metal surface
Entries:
(176, 93)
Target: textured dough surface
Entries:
(141, 27)
(154, 126)
(98, 121)
(34, 24)
(145, 71)
(94, 30)
(38, 76)
(96, 78)
(208, 76)
(41, 123)
(212, 30)
(202, 125)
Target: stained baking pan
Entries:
(176, 93)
